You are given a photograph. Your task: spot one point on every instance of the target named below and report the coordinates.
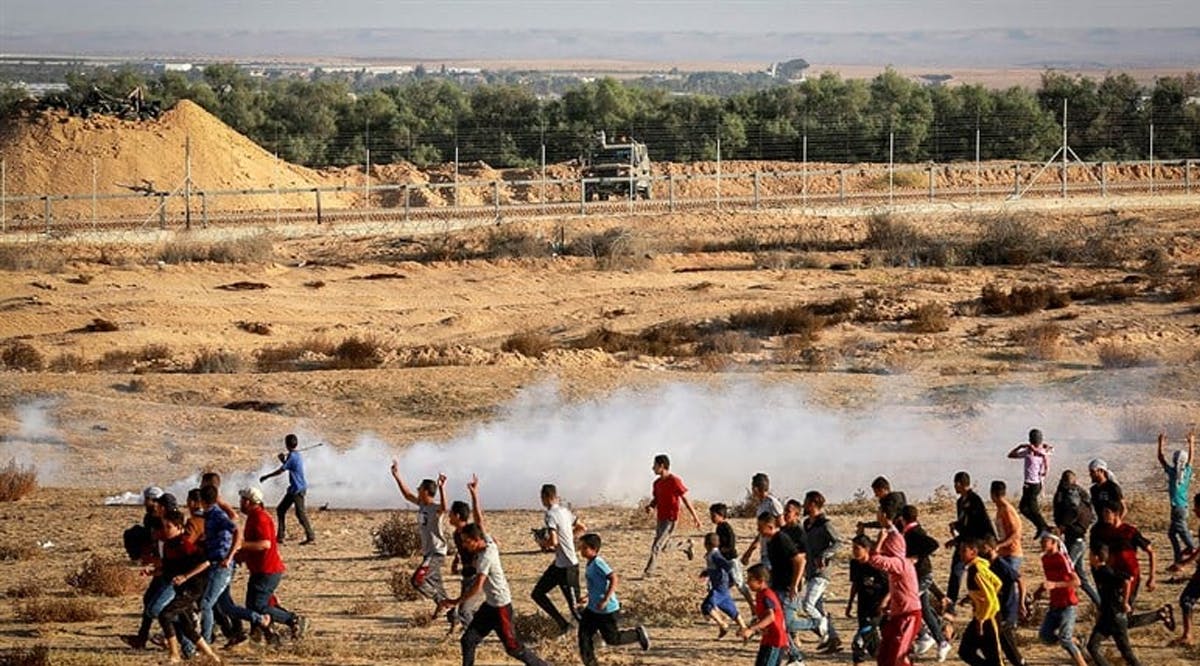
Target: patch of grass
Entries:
(899, 243)
(370, 605)
(69, 362)
(1042, 342)
(38, 655)
(536, 628)
(17, 481)
(255, 249)
(1022, 300)
(901, 180)
(398, 536)
(1156, 262)
(105, 577)
(24, 590)
(358, 353)
(798, 319)
(531, 344)
(401, 586)
(18, 552)
(929, 318)
(729, 342)
(1104, 292)
(613, 249)
(658, 608)
(58, 609)
(1116, 355)
(22, 356)
(305, 354)
(218, 361)
(32, 257)
(509, 243)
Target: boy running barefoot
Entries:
(768, 611)
(600, 612)
(667, 494)
(496, 613)
(718, 571)
(427, 578)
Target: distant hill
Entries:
(1094, 48)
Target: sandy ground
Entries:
(93, 434)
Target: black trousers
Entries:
(981, 644)
(1030, 506)
(565, 579)
(286, 503)
(1117, 628)
(607, 625)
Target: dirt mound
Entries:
(53, 152)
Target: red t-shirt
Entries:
(260, 527)
(1123, 543)
(667, 491)
(1058, 570)
(775, 634)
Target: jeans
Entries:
(791, 619)
(286, 503)
(812, 603)
(957, 570)
(931, 617)
(259, 589)
(219, 578)
(1059, 627)
(1181, 539)
(1075, 550)
(160, 593)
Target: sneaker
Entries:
(643, 638)
(796, 662)
(823, 628)
(689, 550)
(831, 646)
(134, 642)
(300, 627)
(924, 644)
(943, 652)
(236, 640)
(1167, 613)
(307, 542)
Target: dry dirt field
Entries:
(824, 350)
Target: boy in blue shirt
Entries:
(1179, 479)
(599, 613)
(293, 464)
(719, 572)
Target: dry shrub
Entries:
(509, 243)
(24, 590)
(899, 243)
(1009, 240)
(533, 344)
(398, 536)
(312, 352)
(1105, 292)
(1022, 300)
(254, 249)
(99, 325)
(535, 628)
(255, 327)
(106, 577)
(38, 655)
(17, 481)
(32, 257)
(1156, 262)
(22, 356)
(1186, 291)
(793, 348)
(117, 360)
(667, 339)
(17, 552)
(315, 284)
(401, 585)
(216, 362)
(929, 318)
(1115, 355)
(1042, 342)
(69, 362)
(617, 248)
(58, 609)
(796, 319)
(355, 353)
(901, 180)
(371, 605)
(659, 607)
(941, 499)
(729, 342)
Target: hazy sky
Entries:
(754, 16)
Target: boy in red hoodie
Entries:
(904, 600)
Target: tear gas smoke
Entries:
(600, 451)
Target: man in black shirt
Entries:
(1105, 489)
(971, 523)
(1074, 514)
(787, 570)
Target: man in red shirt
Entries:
(1123, 540)
(667, 493)
(260, 555)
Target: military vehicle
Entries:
(619, 169)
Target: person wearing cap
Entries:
(260, 555)
(1036, 455)
(1105, 489)
(1179, 480)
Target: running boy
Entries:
(182, 566)
(668, 492)
(460, 516)
(821, 543)
(1061, 580)
(760, 491)
(600, 612)
(1113, 620)
(786, 560)
(496, 613)
(971, 523)
(1036, 455)
(718, 570)
(427, 578)
(1179, 479)
(870, 586)
(563, 572)
(719, 514)
(769, 611)
(1191, 591)
(904, 601)
(981, 639)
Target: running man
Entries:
(668, 493)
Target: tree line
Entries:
(428, 119)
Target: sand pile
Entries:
(53, 152)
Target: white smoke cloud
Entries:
(599, 451)
(37, 441)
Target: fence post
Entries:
(757, 178)
(1104, 179)
(671, 192)
(496, 196)
(582, 195)
(842, 185)
(1016, 180)
(162, 211)
(407, 200)
(317, 192)
(1187, 176)
(931, 182)
(47, 213)
(3, 196)
(204, 210)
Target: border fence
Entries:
(698, 186)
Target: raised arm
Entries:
(404, 489)
(1191, 447)
(1162, 442)
(476, 507)
(1018, 451)
(441, 484)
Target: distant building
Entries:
(178, 67)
